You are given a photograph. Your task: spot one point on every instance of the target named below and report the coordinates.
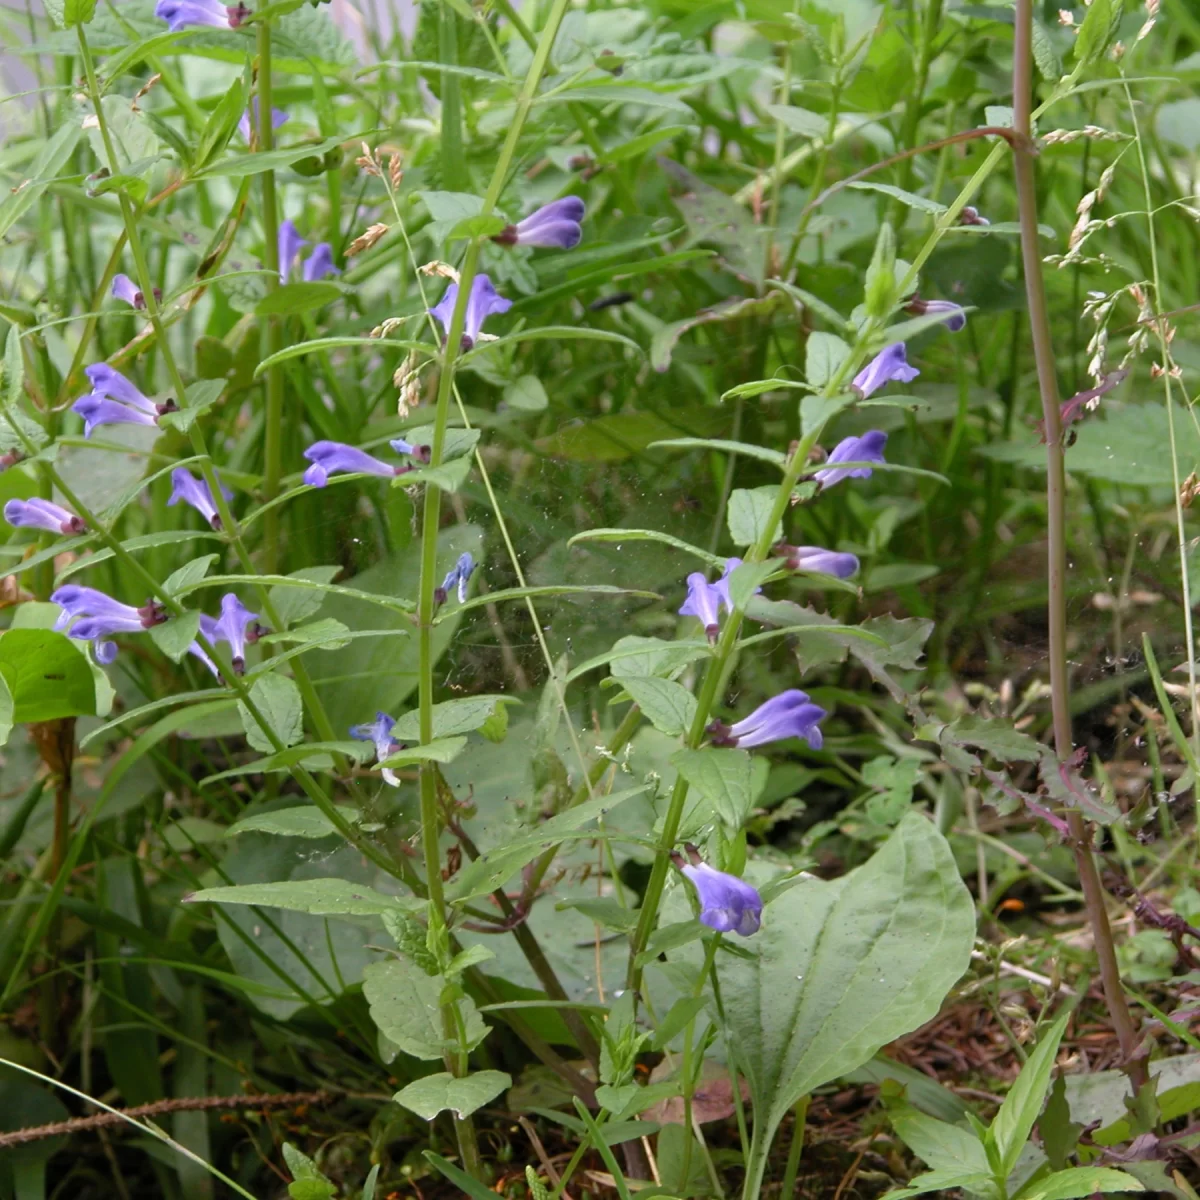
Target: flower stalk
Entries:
(1056, 528)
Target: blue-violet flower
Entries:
(186, 487)
(123, 288)
(97, 615)
(727, 904)
(289, 244)
(179, 14)
(457, 576)
(113, 400)
(236, 625)
(483, 302)
(329, 457)
(814, 558)
(890, 363)
(43, 514)
(320, 263)
(790, 714)
(554, 226)
(866, 449)
(380, 732)
(956, 315)
(278, 117)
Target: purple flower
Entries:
(457, 576)
(970, 216)
(236, 625)
(179, 14)
(113, 400)
(865, 449)
(956, 315)
(380, 732)
(420, 453)
(890, 363)
(555, 226)
(278, 117)
(727, 904)
(705, 600)
(328, 457)
(42, 514)
(790, 714)
(97, 615)
(123, 288)
(814, 558)
(202, 654)
(185, 486)
(483, 302)
(289, 243)
(320, 263)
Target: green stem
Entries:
(430, 821)
(794, 1150)
(1056, 528)
(273, 419)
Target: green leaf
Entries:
(68, 13)
(646, 535)
(492, 869)
(50, 161)
(943, 1146)
(221, 123)
(449, 476)
(307, 1182)
(318, 897)
(635, 655)
(842, 968)
(1079, 1181)
(729, 780)
(468, 1185)
(453, 716)
(47, 677)
(1099, 27)
(1049, 64)
(911, 199)
(294, 604)
(442, 750)
(325, 634)
(190, 574)
(527, 394)
(749, 511)
(307, 822)
(800, 120)
(745, 449)
(670, 707)
(435, 1093)
(993, 735)
(449, 210)
(175, 636)
(618, 436)
(134, 141)
(278, 701)
(277, 160)
(816, 410)
(825, 354)
(942, 1182)
(294, 298)
(1012, 1124)
(405, 1005)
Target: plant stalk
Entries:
(1056, 523)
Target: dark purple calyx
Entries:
(152, 613)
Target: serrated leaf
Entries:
(669, 706)
(318, 897)
(133, 139)
(824, 355)
(189, 574)
(1049, 64)
(294, 603)
(405, 1005)
(278, 701)
(729, 780)
(527, 394)
(435, 1093)
(749, 511)
(46, 676)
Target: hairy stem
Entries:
(1056, 522)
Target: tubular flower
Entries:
(483, 302)
(96, 616)
(956, 315)
(380, 732)
(186, 487)
(554, 226)
(790, 714)
(457, 576)
(866, 449)
(113, 400)
(420, 453)
(320, 263)
(727, 904)
(236, 625)
(889, 364)
(289, 243)
(328, 457)
(704, 602)
(123, 288)
(814, 558)
(179, 14)
(278, 117)
(43, 514)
